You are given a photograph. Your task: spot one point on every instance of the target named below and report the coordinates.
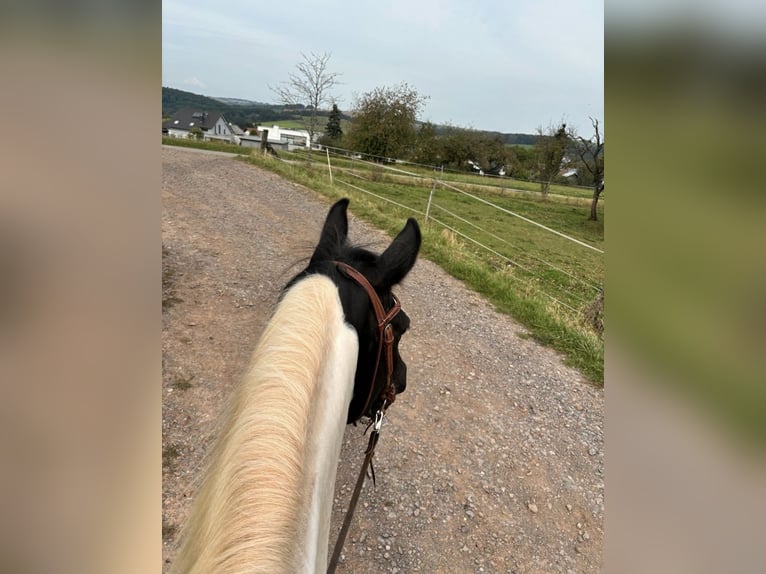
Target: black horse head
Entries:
(382, 272)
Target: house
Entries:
(279, 138)
(236, 130)
(213, 125)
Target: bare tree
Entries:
(550, 147)
(310, 86)
(591, 152)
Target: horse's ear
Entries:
(396, 261)
(334, 232)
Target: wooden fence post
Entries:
(264, 140)
(430, 198)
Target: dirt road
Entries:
(491, 461)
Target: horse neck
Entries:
(266, 501)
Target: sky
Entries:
(501, 65)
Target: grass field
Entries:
(543, 280)
(289, 124)
(211, 145)
(496, 183)
(562, 270)
(302, 123)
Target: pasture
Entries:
(544, 280)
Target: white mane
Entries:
(264, 504)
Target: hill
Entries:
(173, 100)
(240, 102)
(515, 139)
(242, 112)
(247, 113)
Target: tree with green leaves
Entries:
(333, 132)
(470, 149)
(310, 86)
(456, 145)
(521, 162)
(383, 123)
(491, 154)
(550, 147)
(427, 147)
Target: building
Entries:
(279, 138)
(213, 125)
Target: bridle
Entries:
(385, 342)
(385, 337)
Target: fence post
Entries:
(264, 141)
(430, 198)
(329, 167)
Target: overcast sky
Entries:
(504, 65)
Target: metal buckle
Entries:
(379, 418)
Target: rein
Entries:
(386, 340)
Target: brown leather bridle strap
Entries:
(385, 334)
(380, 313)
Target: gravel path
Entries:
(491, 461)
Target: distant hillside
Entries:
(246, 113)
(173, 100)
(515, 139)
(508, 139)
(240, 102)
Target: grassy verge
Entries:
(208, 145)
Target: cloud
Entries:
(195, 22)
(195, 82)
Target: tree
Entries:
(550, 147)
(310, 86)
(455, 147)
(521, 162)
(591, 154)
(470, 149)
(333, 132)
(427, 149)
(384, 119)
(492, 154)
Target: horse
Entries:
(265, 500)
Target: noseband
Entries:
(385, 336)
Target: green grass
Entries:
(291, 124)
(301, 123)
(526, 294)
(208, 145)
(500, 185)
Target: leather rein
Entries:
(385, 342)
